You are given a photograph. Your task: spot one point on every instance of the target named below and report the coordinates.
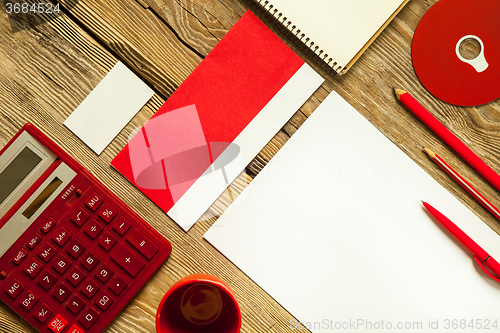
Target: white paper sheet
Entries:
(109, 107)
(334, 230)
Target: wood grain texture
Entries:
(200, 23)
(139, 38)
(46, 71)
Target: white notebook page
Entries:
(334, 230)
(339, 27)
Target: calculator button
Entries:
(61, 236)
(104, 272)
(93, 229)
(127, 259)
(75, 304)
(75, 248)
(3, 274)
(90, 260)
(28, 300)
(75, 276)
(79, 216)
(117, 284)
(33, 267)
(61, 264)
(48, 225)
(47, 251)
(43, 312)
(14, 288)
(121, 225)
(20, 255)
(75, 329)
(107, 240)
(35, 239)
(88, 317)
(57, 324)
(47, 279)
(142, 243)
(61, 292)
(93, 201)
(107, 213)
(104, 300)
(90, 288)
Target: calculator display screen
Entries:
(42, 197)
(17, 171)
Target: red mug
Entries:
(199, 303)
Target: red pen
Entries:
(449, 138)
(482, 258)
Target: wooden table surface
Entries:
(49, 64)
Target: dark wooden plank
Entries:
(139, 38)
(201, 24)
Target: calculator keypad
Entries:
(57, 324)
(79, 217)
(43, 312)
(34, 241)
(76, 264)
(61, 264)
(47, 252)
(47, 280)
(28, 300)
(21, 254)
(93, 229)
(33, 267)
(61, 236)
(107, 240)
(104, 272)
(89, 316)
(90, 260)
(14, 288)
(76, 248)
(61, 292)
(75, 303)
(90, 288)
(117, 284)
(93, 201)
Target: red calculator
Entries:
(72, 254)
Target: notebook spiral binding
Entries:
(299, 39)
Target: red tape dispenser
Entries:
(72, 254)
(436, 55)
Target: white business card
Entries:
(109, 107)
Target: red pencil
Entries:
(482, 258)
(462, 182)
(451, 140)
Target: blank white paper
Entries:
(339, 27)
(109, 107)
(334, 230)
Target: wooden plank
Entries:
(200, 23)
(143, 4)
(139, 38)
(64, 64)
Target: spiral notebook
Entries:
(338, 31)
